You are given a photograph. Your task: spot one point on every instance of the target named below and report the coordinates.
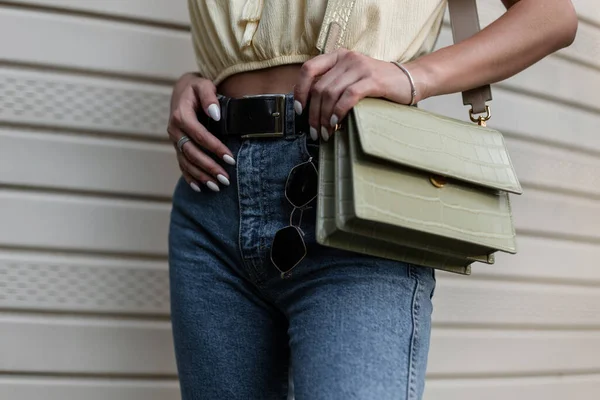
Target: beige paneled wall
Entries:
(86, 173)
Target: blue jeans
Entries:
(345, 325)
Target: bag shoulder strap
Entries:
(463, 18)
(465, 23)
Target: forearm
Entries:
(526, 33)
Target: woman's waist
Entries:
(279, 79)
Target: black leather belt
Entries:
(259, 116)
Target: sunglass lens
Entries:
(302, 184)
(288, 248)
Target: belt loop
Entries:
(224, 103)
(290, 117)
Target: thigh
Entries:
(360, 329)
(229, 342)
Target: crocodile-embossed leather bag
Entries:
(406, 184)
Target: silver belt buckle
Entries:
(277, 114)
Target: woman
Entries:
(246, 307)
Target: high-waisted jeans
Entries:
(344, 325)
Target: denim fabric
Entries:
(347, 326)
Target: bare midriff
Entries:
(279, 79)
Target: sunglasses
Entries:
(288, 247)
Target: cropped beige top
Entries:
(232, 36)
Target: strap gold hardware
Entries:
(481, 120)
(438, 181)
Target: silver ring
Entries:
(184, 139)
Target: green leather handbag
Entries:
(401, 183)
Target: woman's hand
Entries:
(190, 94)
(336, 81)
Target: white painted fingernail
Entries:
(212, 186)
(297, 107)
(195, 187)
(324, 133)
(313, 133)
(215, 112)
(228, 159)
(223, 179)
(334, 120)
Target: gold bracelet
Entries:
(413, 88)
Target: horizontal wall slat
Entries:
(554, 167)
(545, 259)
(515, 303)
(581, 91)
(586, 46)
(547, 388)
(558, 387)
(557, 214)
(61, 100)
(35, 388)
(85, 346)
(99, 346)
(484, 352)
(68, 283)
(123, 48)
(588, 9)
(82, 223)
(156, 10)
(30, 158)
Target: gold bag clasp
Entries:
(438, 181)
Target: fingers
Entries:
(328, 90)
(204, 169)
(197, 176)
(206, 92)
(190, 180)
(350, 97)
(211, 171)
(310, 71)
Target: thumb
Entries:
(206, 92)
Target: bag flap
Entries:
(433, 143)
